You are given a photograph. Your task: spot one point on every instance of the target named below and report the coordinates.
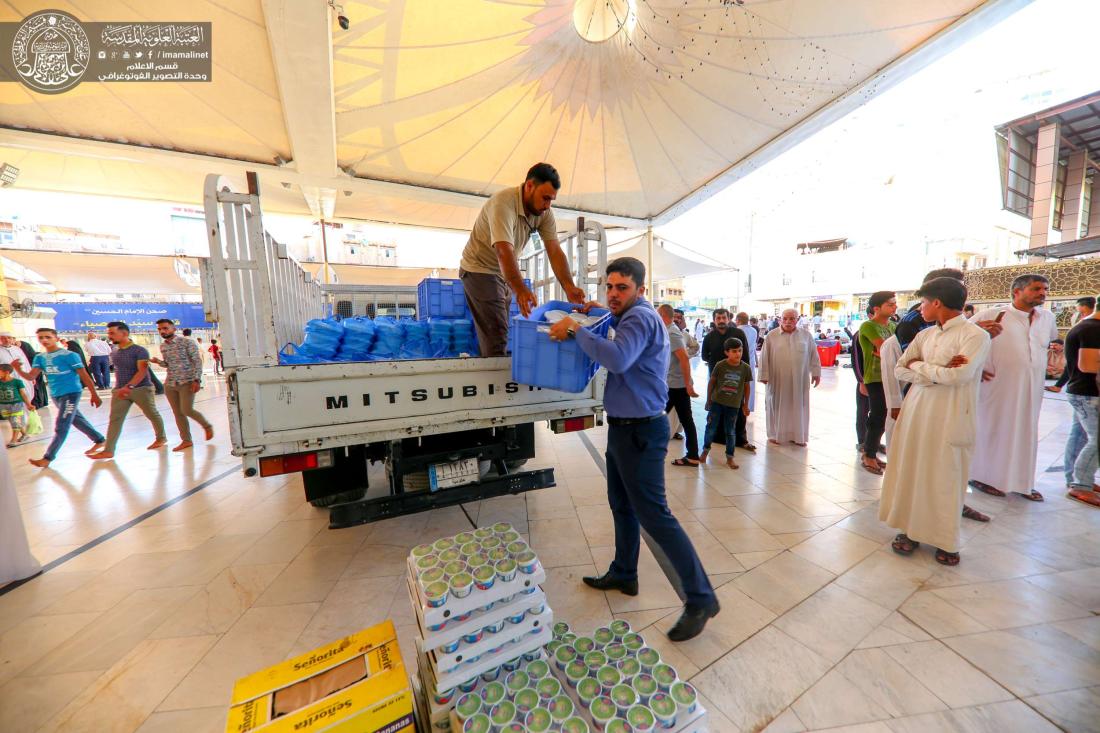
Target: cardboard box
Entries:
(355, 685)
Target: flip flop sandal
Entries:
(747, 446)
(986, 488)
(1033, 496)
(684, 462)
(881, 464)
(974, 514)
(1085, 496)
(903, 545)
(876, 470)
(947, 558)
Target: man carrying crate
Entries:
(637, 443)
(489, 263)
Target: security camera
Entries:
(343, 21)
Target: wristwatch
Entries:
(572, 331)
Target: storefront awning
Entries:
(77, 273)
(372, 275)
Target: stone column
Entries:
(1094, 207)
(1046, 173)
(1073, 207)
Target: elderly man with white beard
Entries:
(788, 365)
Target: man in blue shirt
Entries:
(637, 443)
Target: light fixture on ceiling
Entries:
(8, 174)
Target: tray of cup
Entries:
(473, 598)
(485, 617)
(467, 671)
(441, 703)
(485, 641)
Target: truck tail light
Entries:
(572, 424)
(295, 462)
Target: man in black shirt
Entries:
(1083, 395)
(714, 352)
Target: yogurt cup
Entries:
(624, 697)
(492, 694)
(603, 711)
(576, 671)
(602, 636)
(437, 627)
(564, 655)
(568, 637)
(468, 685)
(463, 537)
(537, 610)
(552, 646)
(619, 627)
(537, 669)
(442, 697)
(462, 584)
(477, 560)
(491, 675)
(491, 543)
(527, 561)
(454, 568)
(526, 700)
(629, 667)
(664, 709)
(451, 646)
(608, 677)
(538, 720)
(436, 594)
(478, 723)
(495, 628)
(583, 644)
(515, 727)
(561, 708)
(645, 686)
(468, 706)
(502, 527)
(471, 660)
(510, 536)
(482, 532)
(615, 652)
(588, 690)
(560, 627)
(441, 545)
(594, 660)
(618, 725)
(470, 548)
(633, 641)
(512, 664)
(531, 655)
(516, 681)
(685, 696)
(516, 618)
(448, 556)
(427, 562)
(497, 554)
(431, 575)
(422, 550)
(528, 590)
(649, 658)
(641, 719)
(548, 688)
(506, 570)
(515, 546)
(574, 725)
(666, 676)
(503, 714)
(484, 577)
(463, 617)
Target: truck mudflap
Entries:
(372, 510)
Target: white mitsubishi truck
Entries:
(445, 431)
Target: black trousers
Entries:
(679, 400)
(876, 418)
(863, 409)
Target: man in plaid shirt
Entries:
(181, 356)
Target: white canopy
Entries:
(424, 107)
(666, 263)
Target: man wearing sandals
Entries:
(680, 386)
(922, 494)
(1011, 392)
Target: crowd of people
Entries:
(60, 373)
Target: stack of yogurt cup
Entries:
(482, 615)
(620, 685)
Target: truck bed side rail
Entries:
(258, 296)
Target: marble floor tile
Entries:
(757, 681)
(992, 562)
(786, 722)
(131, 689)
(1079, 587)
(716, 559)
(887, 578)
(947, 675)
(725, 518)
(28, 702)
(738, 541)
(865, 522)
(751, 559)
(717, 722)
(1030, 661)
(1002, 717)
(740, 618)
(1075, 711)
(790, 539)
(938, 617)
(195, 720)
(880, 679)
(782, 582)
(353, 604)
(896, 629)
(218, 605)
(835, 701)
(1008, 603)
(262, 637)
(772, 514)
(560, 542)
(283, 542)
(582, 607)
(806, 503)
(835, 549)
(378, 561)
(876, 727)
(832, 621)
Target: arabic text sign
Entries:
(78, 317)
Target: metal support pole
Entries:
(324, 254)
(651, 293)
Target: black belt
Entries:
(634, 420)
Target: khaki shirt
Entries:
(502, 219)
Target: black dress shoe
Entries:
(677, 436)
(609, 582)
(692, 621)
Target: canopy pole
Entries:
(324, 253)
(649, 264)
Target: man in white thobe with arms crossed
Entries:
(788, 365)
(929, 453)
(1011, 393)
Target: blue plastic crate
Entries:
(441, 298)
(560, 365)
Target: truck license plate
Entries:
(456, 473)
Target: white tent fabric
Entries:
(81, 273)
(666, 264)
(421, 109)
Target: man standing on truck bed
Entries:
(490, 265)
